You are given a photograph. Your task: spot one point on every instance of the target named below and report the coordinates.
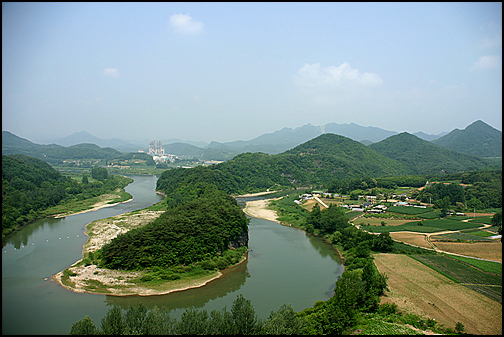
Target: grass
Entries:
(481, 233)
(410, 210)
(377, 326)
(482, 219)
(486, 266)
(96, 286)
(428, 226)
(460, 237)
(65, 278)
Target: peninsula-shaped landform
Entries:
(150, 252)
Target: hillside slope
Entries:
(423, 157)
(478, 139)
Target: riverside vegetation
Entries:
(356, 300)
(32, 189)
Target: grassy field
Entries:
(410, 210)
(428, 226)
(378, 221)
(457, 270)
(486, 266)
(459, 236)
(419, 289)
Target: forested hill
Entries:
(194, 231)
(319, 161)
(478, 139)
(423, 157)
(30, 186)
(12, 144)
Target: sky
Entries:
(234, 71)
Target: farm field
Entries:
(411, 238)
(413, 286)
(378, 221)
(483, 250)
(428, 226)
(465, 274)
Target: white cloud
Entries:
(184, 23)
(488, 62)
(111, 72)
(313, 75)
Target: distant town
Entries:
(157, 151)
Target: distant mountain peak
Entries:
(478, 139)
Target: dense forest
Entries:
(327, 159)
(30, 186)
(194, 231)
(484, 190)
(423, 157)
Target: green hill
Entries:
(87, 151)
(315, 162)
(30, 185)
(193, 231)
(478, 139)
(54, 154)
(423, 157)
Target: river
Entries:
(285, 266)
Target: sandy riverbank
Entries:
(258, 194)
(259, 209)
(101, 204)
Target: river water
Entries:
(285, 266)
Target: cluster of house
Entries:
(365, 206)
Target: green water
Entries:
(284, 266)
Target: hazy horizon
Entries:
(222, 72)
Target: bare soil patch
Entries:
(411, 238)
(483, 250)
(418, 289)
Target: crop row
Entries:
(462, 273)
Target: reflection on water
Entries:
(229, 282)
(285, 266)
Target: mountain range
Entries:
(478, 139)
(271, 143)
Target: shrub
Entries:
(146, 278)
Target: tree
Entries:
(221, 323)
(158, 322)
(244, 317)
(84, 327)
(444, 205)
(315, 217)
(134, 319)
(99, 173)
(341, 308)
(85, 179)
(383, 243)
(459, 327)
(193, 322)
(497, 219)
(283, 322)
(113, 323)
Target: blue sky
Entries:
(233, 71)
